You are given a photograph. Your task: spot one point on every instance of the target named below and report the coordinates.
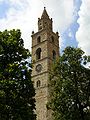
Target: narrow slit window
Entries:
(54, 55)
(39, 39)
(38, 84)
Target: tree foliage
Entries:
(70, 86)
(16, 89)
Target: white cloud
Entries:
(83, 34)
(23, 14)
(62, 12)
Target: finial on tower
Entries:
(44, 8)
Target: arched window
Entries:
(38, 53)
(39, 39)
(38, 83)
(54, 55)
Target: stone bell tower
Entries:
(45, 49)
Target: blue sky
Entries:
(69, 35)
(71, 19)
(4, 6)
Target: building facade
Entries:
(45, 49)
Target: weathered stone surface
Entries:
(48, 42)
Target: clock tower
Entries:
(45, 49)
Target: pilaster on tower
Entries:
(44, 22)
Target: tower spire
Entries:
(45, 14)
(44, 22)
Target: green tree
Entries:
(16, 88)
(70, 86)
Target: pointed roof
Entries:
(45, 14)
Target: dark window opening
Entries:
(40, 27)
(38, 53)
(54, 55)
(38, 83)
(39, 39)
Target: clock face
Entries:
(39, 68)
